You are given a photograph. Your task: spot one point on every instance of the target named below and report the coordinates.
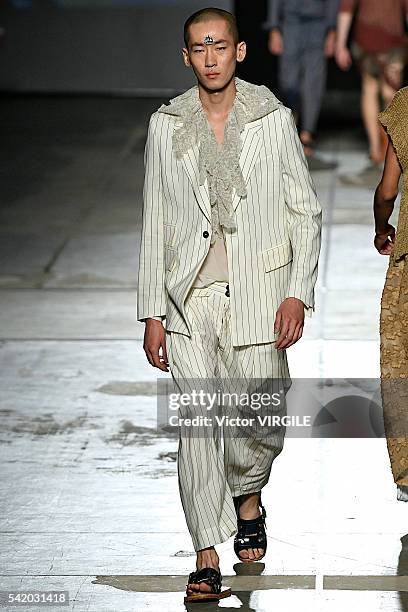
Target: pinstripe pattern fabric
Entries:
(272, 255)
(214, 468)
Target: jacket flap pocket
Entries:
(169, 233)
(170, 258)
(277, 256)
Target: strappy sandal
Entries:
(251, 533)
(213, 578)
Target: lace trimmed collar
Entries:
(251, 102)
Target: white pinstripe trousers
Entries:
(212, 469)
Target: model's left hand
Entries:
(289, 320)
(330, 43)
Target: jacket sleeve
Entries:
(304, 215)
(274, 15)
(332, 11)
(151, 299)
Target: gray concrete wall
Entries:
(117, 49)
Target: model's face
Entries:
(213, 64)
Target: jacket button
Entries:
(205, 234)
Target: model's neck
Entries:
(218, 103)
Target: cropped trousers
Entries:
(216, 463)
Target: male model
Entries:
(229, 253)
(303, 35)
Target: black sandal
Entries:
(251, 533)
(213, 578)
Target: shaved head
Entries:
(210, 14)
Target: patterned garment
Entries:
(387, 65)
(394, 369)
(219, 164)
(273, 254)
(394, 312)
(217, 463)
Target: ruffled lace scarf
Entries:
(218, 163)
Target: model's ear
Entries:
(241, 51)
(186, 57)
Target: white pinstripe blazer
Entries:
(272, 255)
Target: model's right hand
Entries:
(275, 43)
(343, 58)
(154, 339)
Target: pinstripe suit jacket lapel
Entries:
(251, 146)
(190, 165)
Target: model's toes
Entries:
(196, 588)
(250, 555)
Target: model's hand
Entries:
(275, 43)
(330, 43)
(289, 320)
(343, 58)
(154, 339)
(384, 242)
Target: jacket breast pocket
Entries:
(170, 258)
(277, 256)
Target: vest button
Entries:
(205, 234)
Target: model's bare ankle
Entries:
(249, 499)
(207, 557)
(248, 507)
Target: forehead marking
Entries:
(208, 40)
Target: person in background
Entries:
(394, 301)
(379, 47)
(303, 35)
